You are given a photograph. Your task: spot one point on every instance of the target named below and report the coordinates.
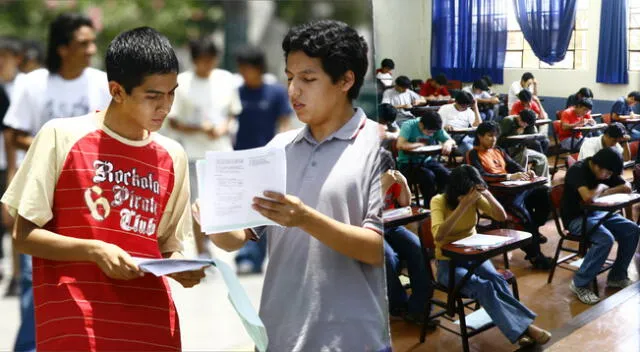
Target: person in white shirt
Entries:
(205, 104)
(463, 113)
(402, 98)
(67, 87)
(614, 136)
(385, 74)
(527, 82)
(480, 92)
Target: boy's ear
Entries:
(347, 81)
(117, 91)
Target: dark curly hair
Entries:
(339, 47)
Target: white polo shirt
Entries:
(592, 145)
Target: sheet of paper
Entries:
(396, 213)
(160, 267)
(616, 198)
(515, 183)
(237, 295)
(228, 181)
(480, 240)
(477, 319)
(428, 148)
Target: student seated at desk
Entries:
(575, 116)
(463, 113)
(427, 172)
(402, 97)
(614, 137)
(385, 73)
(480, 92)
(525, 101)
(528, 82)
(583, 93)
(587, 179)
(400, 245)
(528, 151)
(622, 110)
(454, 215)
(435, 88)
(530, 206)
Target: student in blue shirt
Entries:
(430, 174)
(622, 109)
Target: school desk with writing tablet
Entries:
(526, 137)
(477, 255)
(413, 214)
(464, 131)
(517, 185)
(426, 150)
(541, 122)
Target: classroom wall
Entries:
(403, 32)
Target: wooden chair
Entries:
(461, 303)
(555, 199)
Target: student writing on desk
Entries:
(463, 113)
(435, 88)
(402, 97)
(586, 180)
(622, 110)
(530, 206)
(401, 244)
(525, 151)
(453, 217)
(575, 116)
(427, 172)
(613, 137)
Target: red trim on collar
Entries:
(363, 121)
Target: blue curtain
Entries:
(547, 26)
(612, 49)
(469, 39)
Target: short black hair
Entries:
(386, 113)
(484, 128)
(610, 159)
(635, 95)
(138, 53)
(526, 76)
(202, 47)
(252, 56)
(61, 33)
(585, 92)
(480, 84)
(525, 95)
(431, 120)
(615, 130)
(388, 63)
(403, 81)
(461, 180)
(487, 79)
(464, 98)
(441, 79)
(11, 44)
(585, 103)
(528, 116)
(338, 46)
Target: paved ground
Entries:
(207, 319)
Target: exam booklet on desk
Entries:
(228, 182)
(237, 295)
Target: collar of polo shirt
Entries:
(349, 131)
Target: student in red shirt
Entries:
(435, 88)
(525, 101)
(575, 116)
(97, 190)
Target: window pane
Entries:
(514, 40)
(634, 60)
(567, 63)
(584, 4)
(526, 45)
(529, 59)
(633, 4)
(580, 40)
(634, 39)
(572, 41)
(581, 60)
(513, 59)
(582, 19)
(634, 20)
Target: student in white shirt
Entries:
(463, 113)
(385, 74)
(206, 102)
(480, 92)
(527, 82)
(402, 97)
(614, 137)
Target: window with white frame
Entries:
(633, 37)
(520, 55)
